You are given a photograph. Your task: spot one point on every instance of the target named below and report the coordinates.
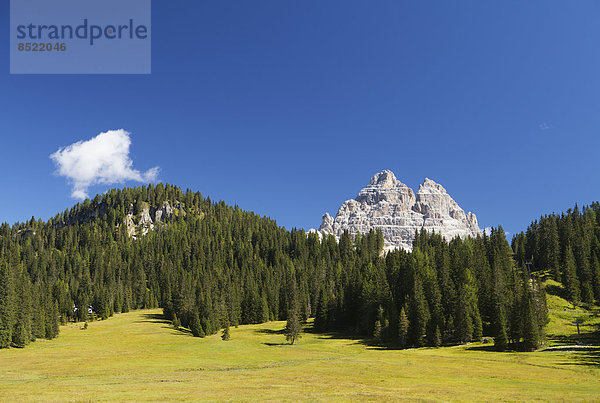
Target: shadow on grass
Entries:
(160, 318)
(589, 334)
(370, 343)
(154, 318)
(556, 290)
(270, 331)
(485, 347)
(580, 355)
(182, 331)
(277, 344)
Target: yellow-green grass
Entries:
(137, 356)
(561, 330)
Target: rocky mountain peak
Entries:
(430, 186)
(385, 187)
(391, 206)
(385, 179)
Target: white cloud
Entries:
(103, 159)
(545, 126)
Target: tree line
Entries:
(567, 247)
(211, 265)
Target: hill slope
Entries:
(208, 264)
(137, 356)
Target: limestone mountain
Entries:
(391, 206)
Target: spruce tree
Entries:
(448, 336)
(7, 305)
(196, 326)
(380, 325)
(176, 323)
(418, 315)
(477, 324)
(403, 326)
(21, 335)
(463, 318)
(570, 280)
(377, 331)
(22, 331)
(225, 335)
(293, 328)
(321, 317)
(595, 266)
(531, 336)
(500, 330)
(437, 338)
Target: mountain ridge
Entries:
(391, 206)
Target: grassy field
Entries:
(561, 330)
(138, 356)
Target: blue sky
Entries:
(287, 108)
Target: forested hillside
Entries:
(568, 247)
(208, 264)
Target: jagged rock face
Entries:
(149, 217)
(165, 211)
(391, 206)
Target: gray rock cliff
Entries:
(391, 206)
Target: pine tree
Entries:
(418, 315)
(570, 280)
(321, 317)
(540, 308)
(502, 269)
(477, 324)
(176, 323)
(377, 332)
(531, 336)
(225, 335)
(196, 326)
(22, 332)
(464, 321)
(38, 318)
(21, 335)
(7, 307)
(595, 266)
(380, 325)
(403, 326)
(500, 331)
(52, 321)
(437, 338)
(553, 249)
(293, 328)
(449, 330)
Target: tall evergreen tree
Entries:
(293, 328)
(403, 327)
(570, 276)
(531, 330)
(418, 315)
(7, 305)
(225, 336)
(196, 326)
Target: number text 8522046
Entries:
(41, 47)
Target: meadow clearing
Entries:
(139, 356)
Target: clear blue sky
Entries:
(288, 108)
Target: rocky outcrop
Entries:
(391, 206)
(149, 217)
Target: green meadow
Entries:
(138, 356)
